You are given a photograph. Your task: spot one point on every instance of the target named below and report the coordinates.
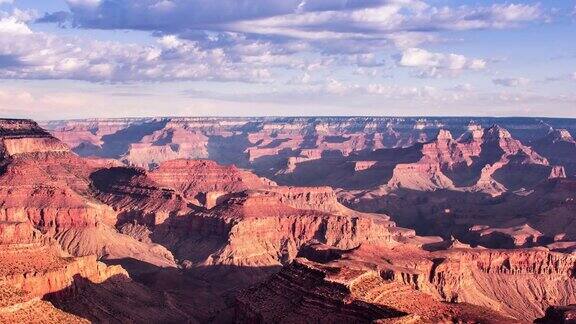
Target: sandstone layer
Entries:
(208, 242)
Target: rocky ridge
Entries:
(194, 233)
(376, 282)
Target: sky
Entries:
(63, 59)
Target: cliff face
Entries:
(36, 274)
(312, 291)
(541, 216)
(204, 181)
(515, 284)
(258, 229)
(33, 266)
(24, 136)
(50, 187)
(559, 147)
(486, 160)
(528, 281)
(194, 232)
(262, 142)
(169, 143)
(455, 153)
(35, 263)
(136, 197)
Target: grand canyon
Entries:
(287, 161)
(288, 220)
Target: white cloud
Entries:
(381, 90)
(515, 13)
(434, 63)
(14, 26)
(303, 79)
(511, 82)
(297, 18)
(25, 54)
(325, 25)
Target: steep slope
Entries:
(168, 143)
(36, 274)
(542, 216)
(245, 236)
(204, 181)
(256, 229)
(559, 147)
(518, 284)
(42, 182)
(192, 233)
(309, 291)
(264, 143)
(17, 306)
(480, 160)
(487, 160)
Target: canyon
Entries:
(266, 220)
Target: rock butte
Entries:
(138, 232)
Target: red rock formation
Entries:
(168, 143)
(22, 136)
(41, 182)
(204, 181)
(135, 196)
(347, 291)
(228, 228)
(18, 306)
(34, 263)
(33, 267)
(527, 282)
(262, 229)
(559, 148)
(485, 160)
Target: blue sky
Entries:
(116, 58)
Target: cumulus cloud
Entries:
(336, 87)
(332, 26)
(511, 82)
(434, 64)
(297, 18)
(245, 40)
(25, 54)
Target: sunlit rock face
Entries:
(383, 282)
(243, 220)
(264, 142)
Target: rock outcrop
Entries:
(265, 142)
(560, 148)
(23, 136)
(261, 229)
(36, 274)
(328, 290)
(193, 233)
(205, 182)
(390, 279)
(43, 183)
